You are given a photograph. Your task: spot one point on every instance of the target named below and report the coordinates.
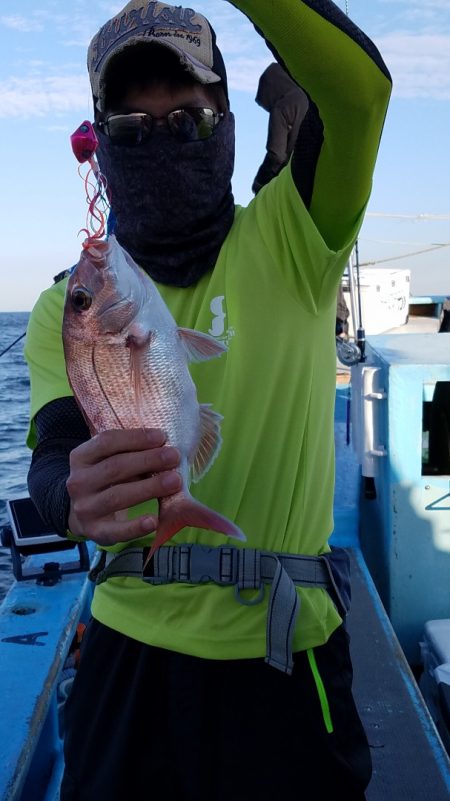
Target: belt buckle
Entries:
(212, 564)
(204, 564)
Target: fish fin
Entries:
(200, 347)
(138, 347)
(210, 441)
(189, 512)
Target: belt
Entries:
(245, 568)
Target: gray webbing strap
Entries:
(246, 568)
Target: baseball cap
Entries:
(184, 31)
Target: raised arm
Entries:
(349, 88)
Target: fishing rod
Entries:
(360, 332)
(350, 353)
(12, 344)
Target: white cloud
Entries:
(426, 16)
(23, 24)
(37, 97)
(419, 64)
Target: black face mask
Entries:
(172, 201)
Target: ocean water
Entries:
(14, 400)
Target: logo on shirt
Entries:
(218, 321)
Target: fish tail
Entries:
(189, 512)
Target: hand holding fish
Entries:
(113, 471)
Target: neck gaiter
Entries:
(172, 201)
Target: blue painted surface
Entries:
(427, 299)
(406, 531)
(347, 481)
(42, 622)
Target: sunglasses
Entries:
(185, 124)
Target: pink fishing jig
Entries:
(84, 144)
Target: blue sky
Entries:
(44, 95)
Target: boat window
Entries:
(436, 430)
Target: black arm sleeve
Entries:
(60, 427)
(306, 153)
(270, 167)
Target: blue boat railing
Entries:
(38, 624)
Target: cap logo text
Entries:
(146, 21)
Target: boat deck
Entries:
(409, 760)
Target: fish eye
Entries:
(81, 299)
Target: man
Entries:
(287, 105)
(215, 689)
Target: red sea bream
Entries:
(127, 364)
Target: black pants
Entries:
(145, 723)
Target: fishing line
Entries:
(12, 344)
(97, 201)
(406, 255)
(420, 216)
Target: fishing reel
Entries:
(348, 353)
